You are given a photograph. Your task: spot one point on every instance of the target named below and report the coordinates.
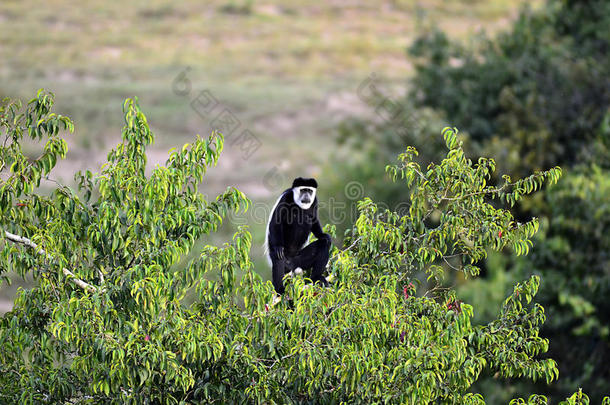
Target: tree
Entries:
(107, 321)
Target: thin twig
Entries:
(485, 191)
(352, 245)
(450, 265)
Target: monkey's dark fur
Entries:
(293, 218)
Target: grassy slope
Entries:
(287, 69)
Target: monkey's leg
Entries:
(315, 257)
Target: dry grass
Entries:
(291, 39)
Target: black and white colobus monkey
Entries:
(293, 218)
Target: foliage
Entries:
(578, 398)
(107, 322)
(118, 330)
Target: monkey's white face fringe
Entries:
(296, 195)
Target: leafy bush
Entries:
(107, 322)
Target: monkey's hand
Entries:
(278, 252)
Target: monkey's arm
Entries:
(317, 231)
(276, 233)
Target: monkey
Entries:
(293, 218)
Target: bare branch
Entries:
(25, 241)
(449, 264)
(352, 245)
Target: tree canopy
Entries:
(107, 321)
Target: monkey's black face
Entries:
(304, 196)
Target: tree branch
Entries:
(25, 241)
